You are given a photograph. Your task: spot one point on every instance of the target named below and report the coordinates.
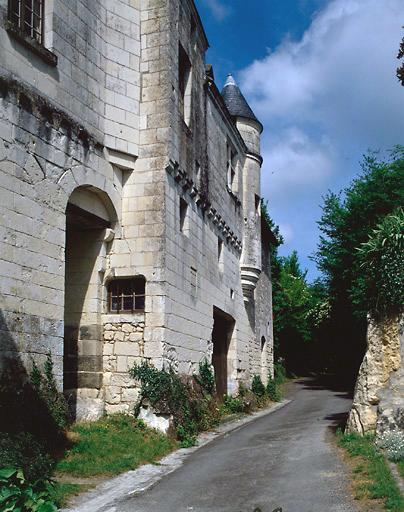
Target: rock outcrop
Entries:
(379, 392)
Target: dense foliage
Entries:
(346, 224)
(300, 309)
(400, 69)
(25, 452)
(382, 265)
(300, 312)
(205, 377)
(192, 401)
(257, 386)
(33, 419)
(348, 220)
(187, 399)
(18, 494)
(46, 389)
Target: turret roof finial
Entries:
(235, 102)
(230, 80)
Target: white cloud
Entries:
(287, 233)
(219, 10)
(293, 161)
(325, 99)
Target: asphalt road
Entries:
(283, 460)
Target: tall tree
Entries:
(347, 221)
(400, 69)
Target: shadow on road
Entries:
(338, 420)
(340, 389)
(330, 382)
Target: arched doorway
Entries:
(88, 215)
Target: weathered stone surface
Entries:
(105, 132)
(161, 422)
(380, 377)
(391, 407)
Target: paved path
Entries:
(283, 460)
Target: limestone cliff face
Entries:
(380, 382)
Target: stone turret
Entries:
(250, 129)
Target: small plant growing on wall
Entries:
(257, 386)
(206, 377)
(182, 397)
(45, 386)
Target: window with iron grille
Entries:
(126, 295)
(27, 17)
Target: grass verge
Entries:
(112, 445)
(372, 476)
(63, 491)
(400, 466)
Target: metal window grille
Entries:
(27, 16)
(126, 295)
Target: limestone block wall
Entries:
(121, 50)
(198, 278)
(97, 76)
(106, 121)
(262, 354)
(123, 347)
(380, 381)
(44, 156)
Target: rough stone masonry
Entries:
(130, 219)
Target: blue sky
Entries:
(320, 75)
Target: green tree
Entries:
(382, 263)
(297, 314)
(400, 69)
(347, 221)
(300, 309)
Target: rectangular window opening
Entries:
(126, 295)
(231, 166)
(197, 172)
(194, 281)
(219, 249)
(257, 204)
(27, 17)
(184, 85)
(183, 214)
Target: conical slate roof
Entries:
(235, 102)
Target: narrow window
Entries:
(219, 248)
(231, 166)
(263, 341)
(194, 281)
(257, 204)
(126, 295)
(183, 213)
(27, 18)
(197, 172)
(192, 27)
(184, 84)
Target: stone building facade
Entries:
(130, 224)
